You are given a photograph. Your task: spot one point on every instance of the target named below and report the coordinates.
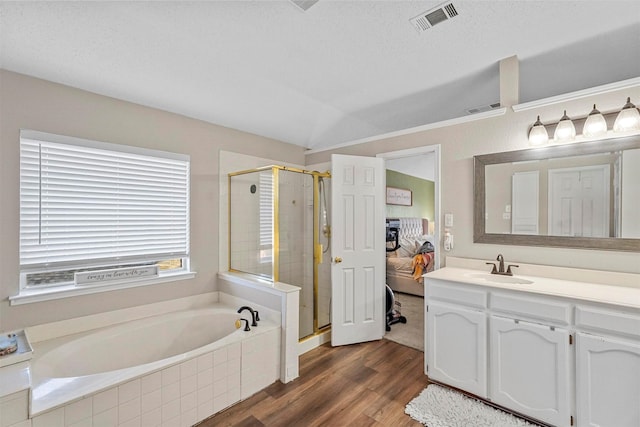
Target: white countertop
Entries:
(625, 296)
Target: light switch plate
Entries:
(448, 220)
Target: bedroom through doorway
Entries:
(412, 205)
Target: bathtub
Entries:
(176, 347)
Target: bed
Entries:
(405, 265)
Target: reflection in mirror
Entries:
(578, 195)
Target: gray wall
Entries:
(29, 103)
(460, 142)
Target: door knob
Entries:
(337, 260)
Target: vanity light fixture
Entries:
(628, 119)
(595, 125)
(538, 134)
(565, 130)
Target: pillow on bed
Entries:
(425, 238)
(407, 247)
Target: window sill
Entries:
(27, 296)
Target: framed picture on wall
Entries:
(399, 196)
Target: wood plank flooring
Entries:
(365, 384)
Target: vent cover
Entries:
(304, 4)
(483, 108)
(435, 16)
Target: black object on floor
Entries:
(393, 315)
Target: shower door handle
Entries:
(337, 260)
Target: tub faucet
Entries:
(500, 268)
(246, 324)
(253, 314)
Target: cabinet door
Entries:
(529, 369)
(607, 382)
(457, 347)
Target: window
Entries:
(89, 207)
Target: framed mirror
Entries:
(582, 195)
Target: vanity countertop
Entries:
(624, 296)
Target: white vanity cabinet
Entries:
(529, 365)
(457, 330)
(607, 368)
(565, 359)
(458, 350)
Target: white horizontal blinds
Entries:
(81, 205)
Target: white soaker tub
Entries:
(71, 367)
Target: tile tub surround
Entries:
(279, 297)
(119, 353)
(14, 409)
(179, 395)
(226, 377)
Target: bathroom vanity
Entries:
(562, 347)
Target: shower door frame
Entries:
(317, 247)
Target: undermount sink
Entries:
(496, 278)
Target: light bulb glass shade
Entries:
(628, 119)
(565, 130)
(595, 125)
(538, 134)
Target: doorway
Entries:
(426, 159)
(422, 163)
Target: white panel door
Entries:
(457, 347)
(529, 369)
(607, 382)
(579, 201)
(358, 249)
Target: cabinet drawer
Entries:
(455, 293)
(608, 321)
(527, 307)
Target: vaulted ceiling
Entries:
(338, 72)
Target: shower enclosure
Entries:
(279, 231)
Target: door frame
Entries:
(412, 152)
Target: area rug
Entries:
(438, 406)
(411, 333)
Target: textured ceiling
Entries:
(338, 72)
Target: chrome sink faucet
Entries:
(500, 268)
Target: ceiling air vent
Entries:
(483, 108)
(432, 17)
(304, 4)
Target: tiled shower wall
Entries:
(296, 239)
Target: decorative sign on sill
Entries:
(127, 273)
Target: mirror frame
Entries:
(553, 151)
